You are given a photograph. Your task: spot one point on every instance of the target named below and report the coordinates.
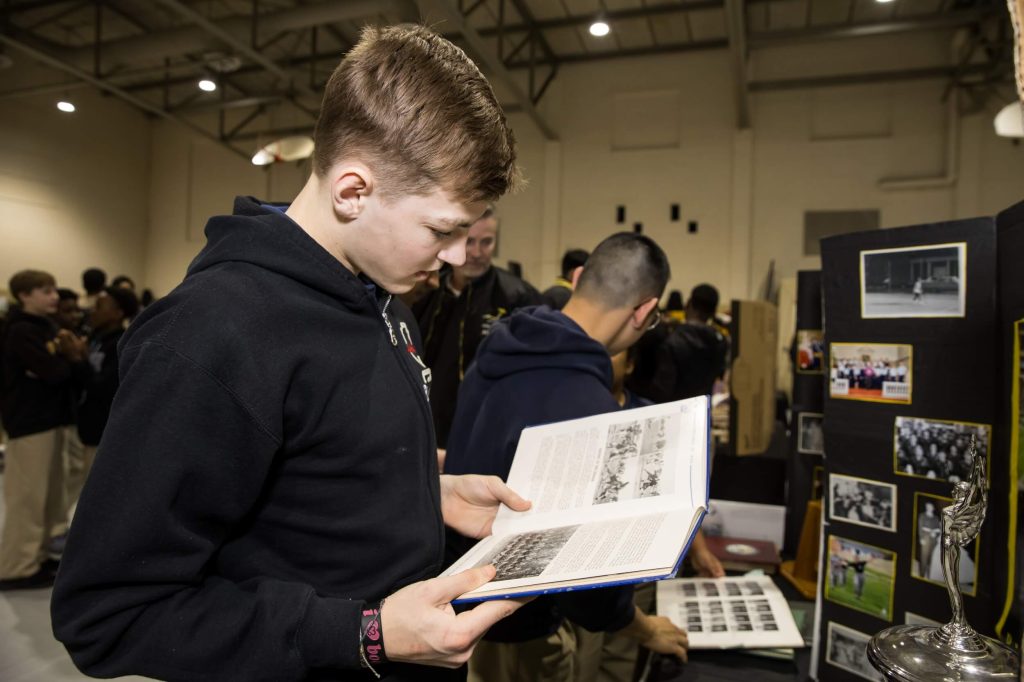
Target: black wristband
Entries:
(371, 637)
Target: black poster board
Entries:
(805, 467)
(911, 342)
(1009, 435)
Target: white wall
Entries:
(73, 188)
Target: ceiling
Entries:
(275, 55)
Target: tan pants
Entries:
(78, 459)
(607, 656)
(33, 501)
(550, 659)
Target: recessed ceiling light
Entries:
(883, 2)
(207, 85)
(66, 107)
(599, 29)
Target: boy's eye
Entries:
(439, 234)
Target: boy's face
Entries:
(40, 301)
(407, 238)
(106, 313)
(69, 315)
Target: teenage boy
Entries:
(266, 504)
(37, 403)
(542, 366)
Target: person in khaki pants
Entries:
(37, 404)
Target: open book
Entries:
(617, 498)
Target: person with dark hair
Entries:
(674, 310)
(683, 360)
(124, 282)
(146, 299)
(558, 294)
(266, 502)
(456, 316)
(539, 366)
(115, 306)
(37, 403)
(93, 281)
(68, 316)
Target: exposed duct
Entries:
(192, 39)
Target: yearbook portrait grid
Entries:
(893, 446)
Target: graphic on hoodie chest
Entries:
(410, 347)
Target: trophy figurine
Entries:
(953, 652)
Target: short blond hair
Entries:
(416, 109)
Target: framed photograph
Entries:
(810, 351)
(918, 281)
(847, 648)
(875, 372)
(937, 448)
(911, 618)
(810, 433)
(926, 562)
(861, 576)
(862, 501)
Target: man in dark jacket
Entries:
(265, 503)
(681, 360)
(37, 404)
(543, 366)
(557, 295)
(455, 317)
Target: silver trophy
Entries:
(953, 652)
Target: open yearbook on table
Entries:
(617, 498)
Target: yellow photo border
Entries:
(892, 583)
(895, 445)
(1015, 455)
(895, 497)
(884, 401)
(926, 247)
(913, 545)
(796, 363)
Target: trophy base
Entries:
(916, 653)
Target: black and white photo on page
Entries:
(916, 281)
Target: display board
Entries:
(804, 470)
(912, 361)
(752, 377)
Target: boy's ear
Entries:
(352, 185)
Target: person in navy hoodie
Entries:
(541, 366)
(265, 502)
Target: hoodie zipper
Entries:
(404, 363)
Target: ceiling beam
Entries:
(697, 46)
(735, 16)
(611, 16)
(114, 90)
(836, 80)
(496, 66)
(866, 29)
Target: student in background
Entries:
(557, 295)
(93, 281)
(37, 403)
(115, 306)
(68, 316)
(123, 281)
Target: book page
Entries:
(581, 550)
(629, 462)
(728, 613)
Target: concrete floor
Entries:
(28, 650)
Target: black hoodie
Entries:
(536, 367)
(268, 464)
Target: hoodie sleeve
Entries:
(28, 343)
(182, 464)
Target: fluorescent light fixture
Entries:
(1010, 120)
(599, 29)
(294, 148)
(66, 107)
(207, 85)
(883, 2)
